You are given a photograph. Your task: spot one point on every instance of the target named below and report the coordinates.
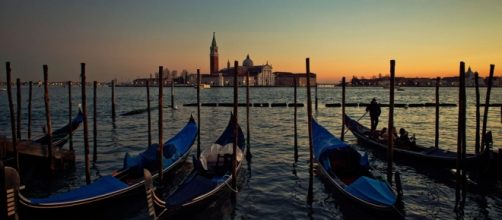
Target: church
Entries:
(259, 75)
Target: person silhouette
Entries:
(374, 109)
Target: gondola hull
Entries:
(187, 210)
(385, 212)
(203, 186)
(346, 171)
(421, 156)
(110, 206)
(107, 196)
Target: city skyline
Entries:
(125, 39)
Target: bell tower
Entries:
(213, 57)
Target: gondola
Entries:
(61, 135)
(32, 151)
(414, 154)
(120, 193)
(209, 181)
(347, 171)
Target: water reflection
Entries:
(275, 186)
(293, 170)
(248, 173)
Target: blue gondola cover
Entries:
(372, 190)
(227, 135)
(324, 140)
(173, 149)
(197, 184)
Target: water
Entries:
(276, 187)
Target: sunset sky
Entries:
(126, 39)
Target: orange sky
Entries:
(126, 39)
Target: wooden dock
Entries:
(397, 105)
(225, 104)
(26, 148)
(328, 105)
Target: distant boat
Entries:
(414, 154)
(203, 86)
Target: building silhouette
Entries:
(213, 57)
(259, 75)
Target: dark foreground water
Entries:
(275, 187)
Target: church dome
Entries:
(247, 62)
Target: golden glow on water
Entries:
(275, 187)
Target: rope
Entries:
(357, 121)
(230, 187)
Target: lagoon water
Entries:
(275, 187)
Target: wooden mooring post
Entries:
(160, 149)
(436, 136)
(86, 126)
(316, 99)
(12, 114)
(477, 138)
(463, 140)
(235, 123)
(342, 135)
(70, 133)
(460, 132)
(113, 101)
(198, 113)
(95, 123)
(248, 129)
(310, 194)
(19, 112)
(295, 84)
(30, 96)
(149, 114)
(487, 104)
(390, 126)
(172, 94)
(48, 118)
